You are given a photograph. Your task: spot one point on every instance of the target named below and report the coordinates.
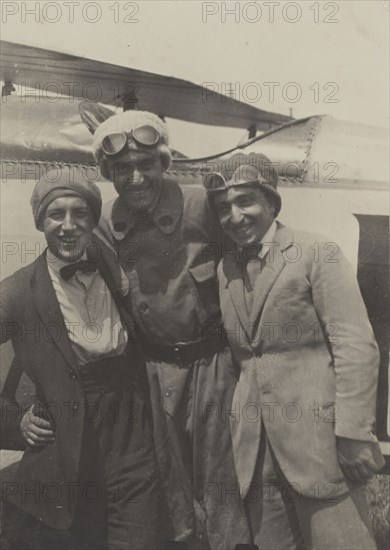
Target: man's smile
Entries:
(69, 240)
(138, 190)
(137, 178)
(242, 229)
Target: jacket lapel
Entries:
(113, 275)
(274, 264)
(47, 305)
(110, 270)
(235, 283)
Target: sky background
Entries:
(342, 46)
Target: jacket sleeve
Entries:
(10, 411)
(348, 332)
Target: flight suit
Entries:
(170, 257)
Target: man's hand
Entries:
(359, 460)
(35, 430)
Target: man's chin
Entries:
(242, 241)
(142, 202)
(71, 258)
(67, 254)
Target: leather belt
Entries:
(186, 352)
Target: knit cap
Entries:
(243, 169)
(63, 182)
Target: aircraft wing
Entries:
(317, 151)
(166, 96)
(44, 132)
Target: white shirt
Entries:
(91, 316)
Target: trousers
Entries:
(118, 490)
(191, 405)
(284, 519)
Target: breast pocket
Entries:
(205, 284)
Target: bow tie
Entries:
(84, 266)
(250, 252)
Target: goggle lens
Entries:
(114, 143)
(146, 136)
(214, 181)
(244, 174)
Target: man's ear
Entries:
(93, 114)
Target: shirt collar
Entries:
(55, 264)
(165, 215)
(267, 240)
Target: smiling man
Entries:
(138, 180)
(304, 444)
(88, 478)
(68, 227)
(167, 242)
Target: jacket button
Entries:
(168, 392)
(72, 374)
(75, 405)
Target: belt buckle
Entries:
(180, 352)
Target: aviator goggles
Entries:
(244, 175)
(144, 136)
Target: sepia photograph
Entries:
(194, 275)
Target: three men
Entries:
(298, 328)
(305, 367)
(88, 478)
(165, 239)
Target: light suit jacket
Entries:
(308, 361)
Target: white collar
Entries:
(55, 264)
(267, 240)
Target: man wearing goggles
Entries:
(167, 243)
(144, 136)
(313, 446)
(134, 161)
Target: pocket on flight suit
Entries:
(204, 278)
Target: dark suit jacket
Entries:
(308, 359)
(31, 318)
